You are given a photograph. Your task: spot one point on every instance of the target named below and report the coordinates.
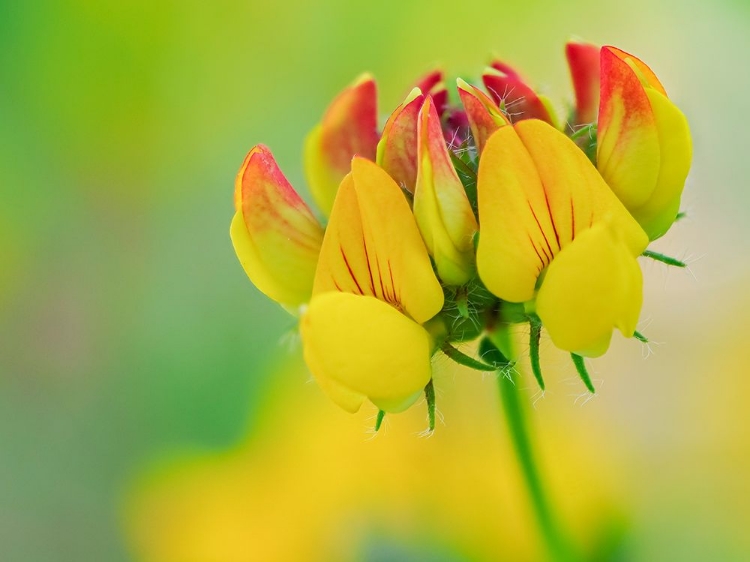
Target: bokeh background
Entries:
(152, 406)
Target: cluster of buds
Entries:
(471, 211)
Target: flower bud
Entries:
(583, 61)
(275, 235)
(434, 85)
(441, 207)
(348, 128)
(484, 115)
(397, 149)
(516, 98)
(644, 146)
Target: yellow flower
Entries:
(644, 146)
(275, 235)
(414, 153)
(538, 196)
(374, 287)
(441, 207)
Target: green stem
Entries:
(557, 545)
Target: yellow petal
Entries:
(441, 207)
(592, 286)
(276, 237)
(397, 149)
(372, 246)
(348, 128)
(658, 213)
(360, 346)
(537, 191)
(628, 154)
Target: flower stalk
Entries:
(515, 411)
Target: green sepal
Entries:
(582, 372)
(535, 335)
(429, 393)
(491, 355)
(465, 360)
(663, 259)
(379, 420)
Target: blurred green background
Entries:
(129, 332)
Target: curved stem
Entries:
(557, 545)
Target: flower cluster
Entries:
(472, 210)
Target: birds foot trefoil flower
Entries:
(470, 211)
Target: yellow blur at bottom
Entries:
(311, 484)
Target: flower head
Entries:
(464, 216)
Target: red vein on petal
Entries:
(351, 273)
(549, 247)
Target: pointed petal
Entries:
(513, 95)
(441, 207)
(628, 154)
(360, 346)
(397, 149)
(434, 85)
(274, 234)
(537, 192)
(505, 68)
(592, 286)
(348, 128)
(484, 116)
(372, 246)
(644, 73)
(583, 61)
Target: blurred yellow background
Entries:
(150, 408)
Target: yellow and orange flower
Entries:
(644, 147)
(398, 272)
(551, 232)
(374, 287)
(275, 235)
